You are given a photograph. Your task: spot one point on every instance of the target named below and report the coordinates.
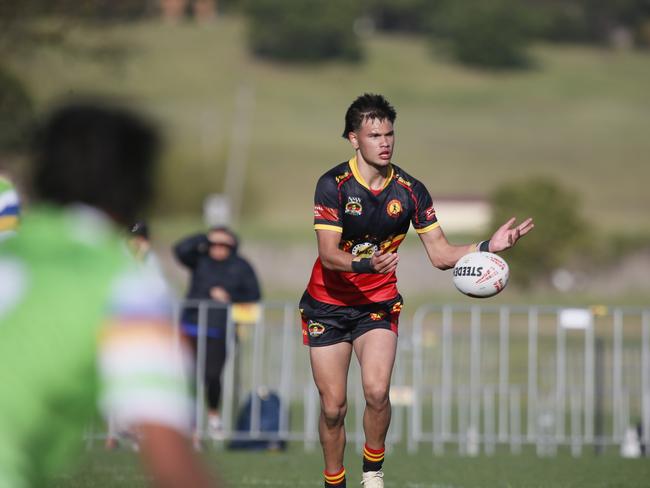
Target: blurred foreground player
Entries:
(362, 211)
(9, 208)
(80, 321)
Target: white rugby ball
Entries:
(481, 274)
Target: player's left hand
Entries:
(506, 236)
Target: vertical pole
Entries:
(560, 380)
(488, 416)
(475, 370)
(504, 356)
(645, 380)
(201, 346)
(515, 420)
(416, 412)
(256, 383)
(617, 377)
(590, 382)
(446, 372)
(531, 431)
(287, 368)
(576, 440)
(229, 373)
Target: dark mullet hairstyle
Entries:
(367, 106)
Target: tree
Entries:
(303, 30)
(485, 33)
(559, 233)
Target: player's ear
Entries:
(352, 137)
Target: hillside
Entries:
(580, 116)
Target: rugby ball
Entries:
(481, 274)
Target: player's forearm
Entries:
(447, 256)
(337, 260)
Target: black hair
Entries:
(140, 229)
(367, 106)
(230, 232)
(98, 155)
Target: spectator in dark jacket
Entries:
(217, 273)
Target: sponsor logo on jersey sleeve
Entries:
(326, 213)
(430, 213)
(354, 207)
(394, 208)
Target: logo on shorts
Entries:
(394, 208)
(315, 329)
(397, 307)
(354, 207)
(377, 315)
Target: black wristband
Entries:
(484, 246)
(362, 266)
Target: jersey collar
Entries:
(357, 175)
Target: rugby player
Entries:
(362, 211)
(9, 208)
(81, 322)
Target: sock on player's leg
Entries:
(373, 459)
(335, 479)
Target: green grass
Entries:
(297, 468)
(580, 116)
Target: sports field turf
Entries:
(295, 468)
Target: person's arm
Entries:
(444, 255)
(169, 458)
(188, 250)
(335, 259)
(248, 288)
(145, 374)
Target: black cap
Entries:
(139, 229)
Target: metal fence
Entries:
(467, 378)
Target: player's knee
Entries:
(377, 396)
(334, 412)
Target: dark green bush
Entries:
(485, 33)
(303, 30)
(560, 231)
(399, 15)
(16, 113)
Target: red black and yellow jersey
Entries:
(368, 220)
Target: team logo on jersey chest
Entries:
(364, 249)
(354, 207)
(394, 208)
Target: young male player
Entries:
(362, 211)
(81, 322)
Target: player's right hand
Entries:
(384, 262)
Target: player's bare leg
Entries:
(330, 366)
(376, 351)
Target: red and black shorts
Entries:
(324, 324)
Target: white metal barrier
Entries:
(466, 377)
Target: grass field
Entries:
(580, 116)
(296, 468)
